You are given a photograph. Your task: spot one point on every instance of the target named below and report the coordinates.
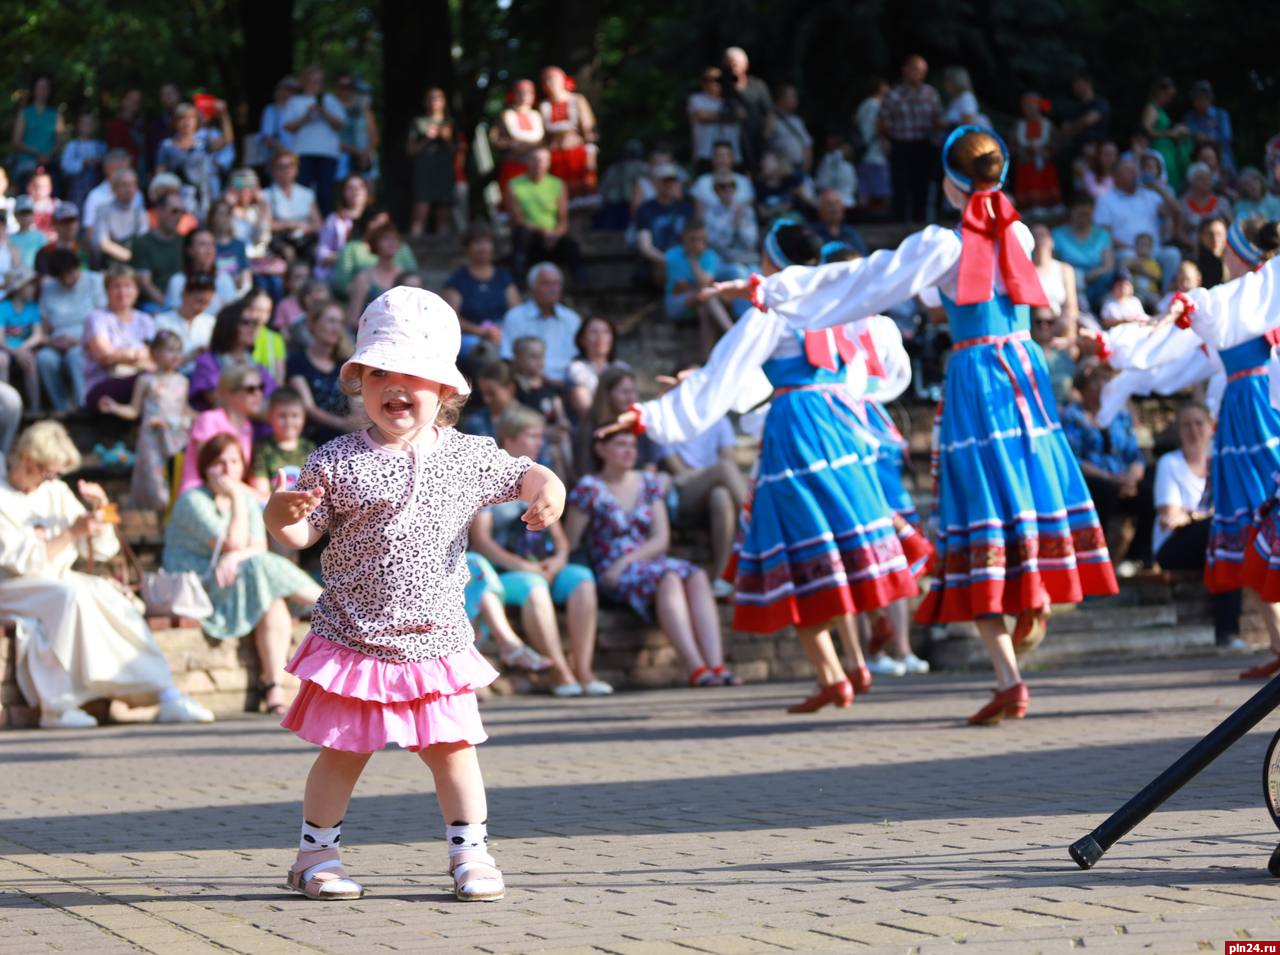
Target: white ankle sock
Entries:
(464, 837)
(169, 694)
(315, 838)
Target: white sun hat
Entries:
(413, 332)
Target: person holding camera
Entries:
(712, 120)
(315, 119)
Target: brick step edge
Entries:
(963, 652)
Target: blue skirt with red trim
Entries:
(1016, 526)
(821, 539)
(1243, 469)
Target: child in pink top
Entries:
(240, 390)
(390, 657)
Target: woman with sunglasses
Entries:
(233, 342)
(239, 401)
(1017, 528)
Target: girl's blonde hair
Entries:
(451, 402)
(46, 444)
(515, 419)
(233, 375)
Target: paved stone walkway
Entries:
(674, 821)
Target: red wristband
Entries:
(638, 427)
(1188, 309)
(1105, 351)
(756, 284)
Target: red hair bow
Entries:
(987, 218)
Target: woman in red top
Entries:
(518, 133)
(571, 132)
(1035, 178)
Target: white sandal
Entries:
(476, 877)
(524, 657)
(323, 878)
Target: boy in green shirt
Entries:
(279, 461)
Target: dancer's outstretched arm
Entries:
(712, 391)
(819, 297)
(1239, 310)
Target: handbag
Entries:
(182, 594)
(175, 595)
(167, 594)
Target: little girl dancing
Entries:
(390, 657)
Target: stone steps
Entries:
(632, 654)
(1085, 647)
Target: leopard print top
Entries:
(395, 567)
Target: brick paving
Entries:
(670, 821)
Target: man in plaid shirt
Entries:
(909, 116)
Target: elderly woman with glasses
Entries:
(78, 637)
(295, 214)
(216, 531)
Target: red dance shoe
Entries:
(1011, 702)
(703, 676)
(1263, 670)
(726, 676)
(881, 634)
(841, 694)
(1030, 630)
(860, 678)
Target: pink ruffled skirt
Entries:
(353, 702)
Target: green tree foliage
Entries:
(96, 49)
(639, 59)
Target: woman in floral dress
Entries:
(623, 515)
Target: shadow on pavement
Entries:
(1085, 781)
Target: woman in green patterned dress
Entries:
(246, 584)
(1173, 143)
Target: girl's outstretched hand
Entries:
(286, 508)
(546, 507)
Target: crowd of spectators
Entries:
(206, 287)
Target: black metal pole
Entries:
(1090, 849)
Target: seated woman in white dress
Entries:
(78, 638)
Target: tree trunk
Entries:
(417, 45)
(569, 33)
(268, 51)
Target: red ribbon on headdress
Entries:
(822, 347)
(987, 218)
